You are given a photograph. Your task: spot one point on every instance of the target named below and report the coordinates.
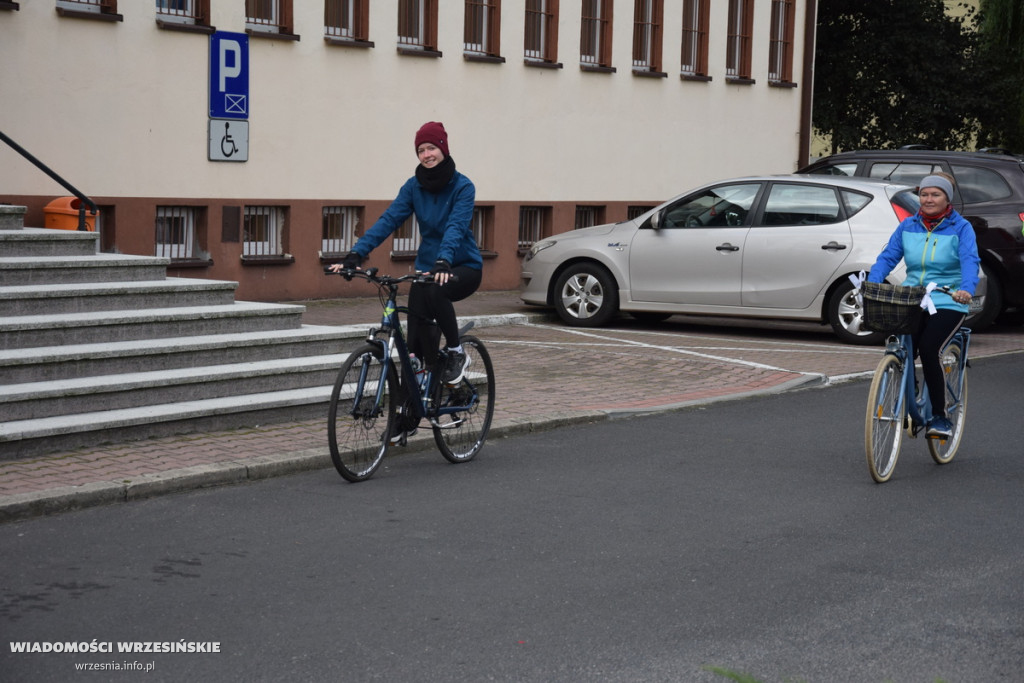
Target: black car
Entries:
(989, 193)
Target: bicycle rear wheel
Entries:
(943, 450)
(461, 434)
(883, 427)
(358, 424)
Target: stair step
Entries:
(39, 242)
(25, 438)
(66, 396)
(31, 270)
(111, 296)
(50, 363)
(110, 326)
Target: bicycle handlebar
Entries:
(370, 274)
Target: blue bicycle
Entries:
(895, 409)
(382, 393)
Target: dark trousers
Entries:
(434, 302)
(933, 334)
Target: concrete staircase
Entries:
(105, 348)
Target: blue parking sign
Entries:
(229, 75)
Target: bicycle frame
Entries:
(909, 402)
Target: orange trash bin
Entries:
(62, 214)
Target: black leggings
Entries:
(931, 337)
(434, 302)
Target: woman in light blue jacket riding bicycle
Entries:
(938, 245)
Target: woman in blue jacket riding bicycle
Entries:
(938, 245)
(442, 200)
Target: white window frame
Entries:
(185, 248)
(176, 15)
(406, 240)
(271, 24)
(270, 245)
(347, 218)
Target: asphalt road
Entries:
(747, 535)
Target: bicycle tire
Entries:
(357, 428)
(461, 435)
(943, 450)
(883, 428)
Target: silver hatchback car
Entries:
(759, 247)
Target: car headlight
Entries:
(539, 247)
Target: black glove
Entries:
(442, 266)
(351, 262)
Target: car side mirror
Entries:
(655, 221)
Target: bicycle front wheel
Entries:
(883, 427)
(361, 412)
(465, 410)
(943, 450)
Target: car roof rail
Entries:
(917, 146)
(996, 150)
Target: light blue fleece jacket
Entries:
(445, 219)
(947, 256)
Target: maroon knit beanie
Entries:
(434, 133)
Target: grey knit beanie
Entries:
(939, 182)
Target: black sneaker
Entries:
(400, 437)
(455, 364)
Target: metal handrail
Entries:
(93, 209)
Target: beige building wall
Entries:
(120, 110)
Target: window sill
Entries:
(191, 263)
(538, 64)
(347, 42)
(488, 254)
(736, 80)
(332, 257)
(596, 69)
(483, 59)
(781, 84)
(695, 77)
(272, 36)
(403, 256)
(95, 16)
(409, 52)
(9, 5)
(184, 28)
(645, 73)
(276, 260)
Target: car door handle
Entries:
(726, 247)
(833, 246)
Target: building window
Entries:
(263, 231)
(417, 26)
(695, 39)
(339, 229)
(647, 15)
(596, 34)
(540, 45)
(185, 12)
(407, 238)
(482, 32)
(483, 227)
(89, 9)
(269, 17)
(533, 225)
(589, 216)
(739, 39)
(347, 21)
(780, 58)
(634, 212)
(181, 233)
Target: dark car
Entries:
(989, 193)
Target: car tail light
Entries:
(902, 213)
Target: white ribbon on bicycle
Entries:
(857, 281)
(926, 300)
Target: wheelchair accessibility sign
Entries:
(229, 140)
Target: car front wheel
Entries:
(586, 295)
(846, 316)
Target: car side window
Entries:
(790, 204)
(847, 169)
(725, 205)
(980, 184)
(853, 202)
(903, 172)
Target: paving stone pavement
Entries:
(547, 375)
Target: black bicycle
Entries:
(383, 393)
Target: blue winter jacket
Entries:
(445, 221)
(947, 256)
